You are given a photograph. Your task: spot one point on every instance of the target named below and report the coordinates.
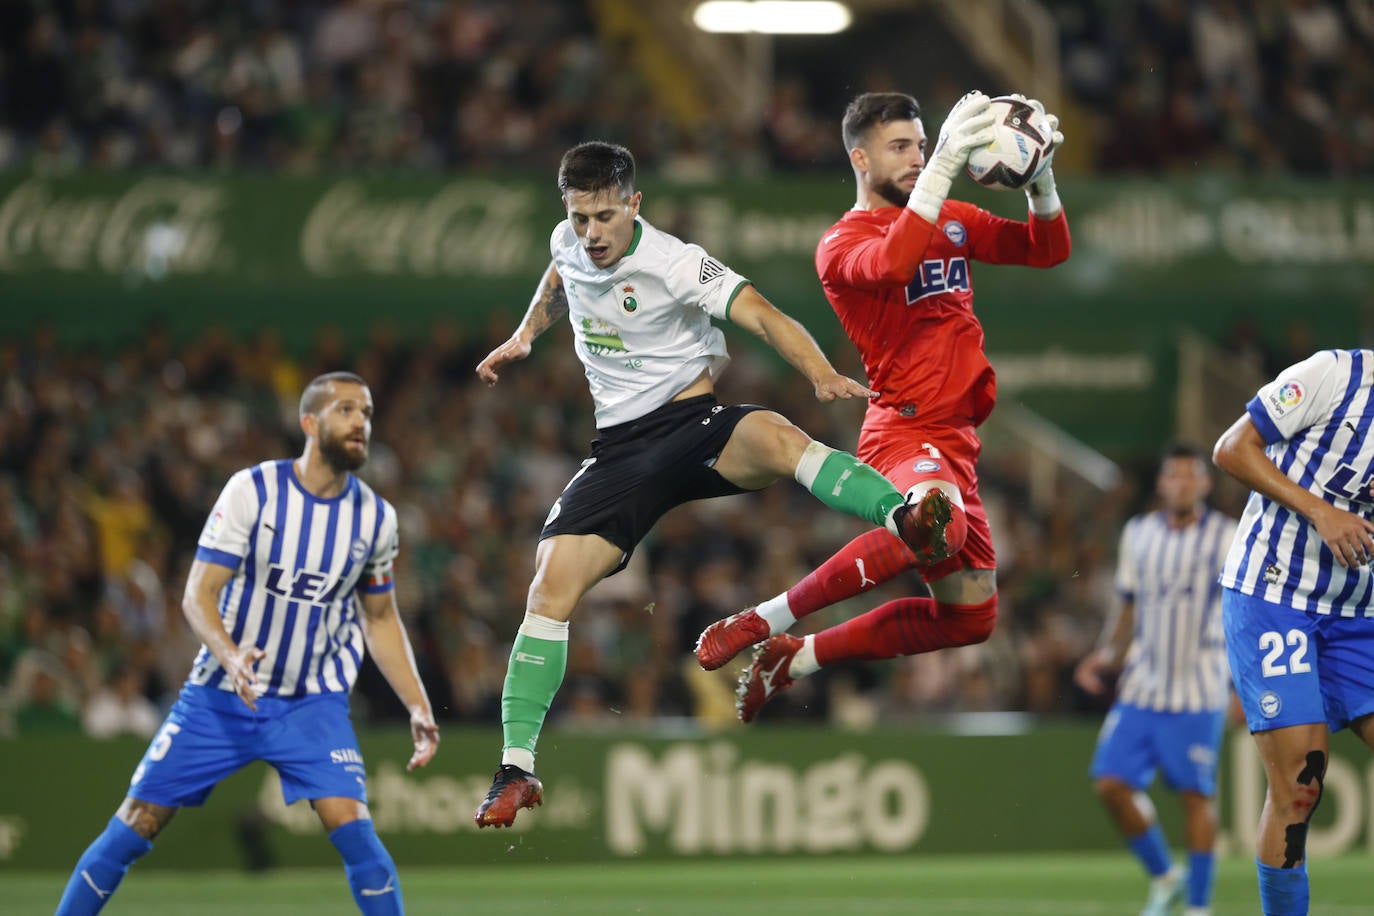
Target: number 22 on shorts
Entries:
(1272, 644)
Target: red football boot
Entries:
(725, 639)
(511, 790)
(766, 676)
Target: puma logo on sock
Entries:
(384, 889)
(102, 894)
(864, 581)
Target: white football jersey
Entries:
(1177, 659)
(643, 327)
(1316, 418)
(298, 562)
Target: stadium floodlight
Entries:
(773, 17)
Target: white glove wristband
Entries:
(929, 195)
(1043, 197)
(969, 125)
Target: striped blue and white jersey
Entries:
(299, 562)
(1177, 659)
(1315, 418)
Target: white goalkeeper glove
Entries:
(968, 126)
(1043, 198)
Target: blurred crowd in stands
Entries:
(1262, 86)
(1257, 85)
(110, 461)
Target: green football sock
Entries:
(843, 482)
(537, 662)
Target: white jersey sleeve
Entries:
(696, 278)
(1303, 395)
(378, 574)
(224, 539)
(1126, 580)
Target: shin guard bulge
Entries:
(866, 562)
(101, 867)
(538, 660)
(846, 484)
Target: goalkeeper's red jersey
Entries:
(903, 291)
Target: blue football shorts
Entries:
(1135, 743)
(210, 734)
(1293, 667)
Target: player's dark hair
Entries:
(1184, 450)
(597, 166)
(873, 108)
(316, 394)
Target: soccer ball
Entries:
(1021, 150)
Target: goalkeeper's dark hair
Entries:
(316, 394)
(597, 166)
(874, 108)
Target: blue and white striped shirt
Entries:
(1315, 418)
(298, 563)
(1177, 659)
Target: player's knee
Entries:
(956, 532)
(1112, 791)
(1307, 786)
(956, 529)
(1363, 728)
(766, 446)
(1307, 794)
(144, 818)
(969, 624)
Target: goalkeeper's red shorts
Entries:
(910, 456)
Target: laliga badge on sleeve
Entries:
(213, 526)
(1289, 395)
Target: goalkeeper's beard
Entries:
(889, 190)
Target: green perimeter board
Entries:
(96, 252)
(764, 792)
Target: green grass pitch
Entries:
(1030, 885)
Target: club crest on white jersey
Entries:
(643, 327)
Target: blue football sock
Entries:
(1283, 891)
(1202, 868)
(101, 868)
(1152, 850)
(371, 873)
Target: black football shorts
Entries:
(639, 470)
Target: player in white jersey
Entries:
(641, 304)
(1173, 692)
(292, 574)
(1297, 589)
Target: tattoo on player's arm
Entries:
(549, 305)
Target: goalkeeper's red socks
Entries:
(866, 562)
(907, 626)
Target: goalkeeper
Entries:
(896, 269)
